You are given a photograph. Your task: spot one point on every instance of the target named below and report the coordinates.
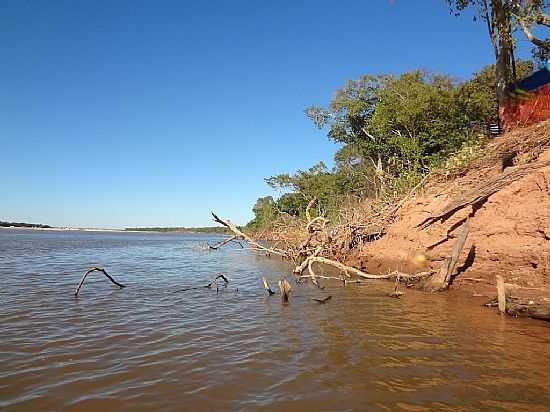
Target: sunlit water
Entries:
(153, 347)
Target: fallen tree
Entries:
(310, 253)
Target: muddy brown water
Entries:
(152, 347)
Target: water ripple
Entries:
(151, 346)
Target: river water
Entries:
(154, 346)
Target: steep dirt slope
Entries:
(510, 232)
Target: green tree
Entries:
(477, 96)
(316, 182)
(292, 203)
(264, 212)
(394, 122)
(502, 18)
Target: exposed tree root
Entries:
(95, 269)
(349, 270)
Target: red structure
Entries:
(527, 102)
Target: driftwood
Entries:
(223, 242)
(267, 287)
(482, 192)
(95, 269)
(310, 252)
(396, 292)
(323, 300)
(285, 288)
(443, 278)
(518, 306)
(209, 285)
(501, 294)
(240, 235)
(308, 262)
(220, 276)
(531, 309)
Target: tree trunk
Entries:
(504, 49)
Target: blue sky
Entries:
(154, 113)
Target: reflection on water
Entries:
(150, 347)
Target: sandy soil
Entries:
(509, 235)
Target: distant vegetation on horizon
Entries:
(210, 229)
(31, 225)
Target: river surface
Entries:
(154, 346)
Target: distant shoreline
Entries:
(62, 229)
(207, 229)
(214, 230)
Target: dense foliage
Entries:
(392, 130)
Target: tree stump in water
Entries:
(285, 288)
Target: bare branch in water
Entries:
(120, 285)
(220, 276)
(240, 235)
(220, 244)
(267, 287)
(323, 300)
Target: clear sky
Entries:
(153, 113)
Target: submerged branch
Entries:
(267, 287)
(220, 244)
(222, 276)
(95, 269)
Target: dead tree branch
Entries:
(344, 268)
(220, 244)
(323, 300)
(220, 276)
(95, 269)
(240, 235)
(543, 19)
(267, 287)
(544, 44)
(210, 284)
(443, 278)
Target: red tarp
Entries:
(533, 108)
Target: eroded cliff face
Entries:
(509, 233)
